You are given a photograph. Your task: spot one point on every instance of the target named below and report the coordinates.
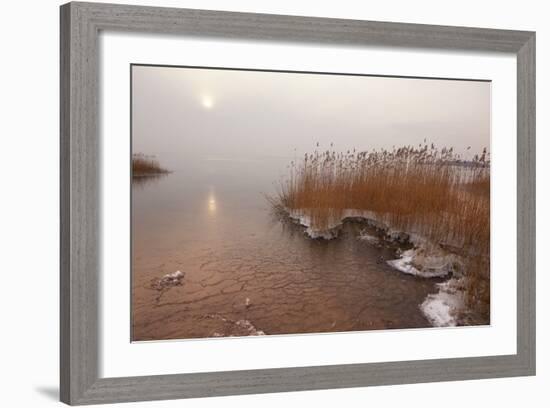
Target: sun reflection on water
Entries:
(212, 205)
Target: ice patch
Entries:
(252, 331)
(398, 236)
(167, 281)
(426, 263)
(326, 234)
(174, 275)
(404, 264)
(442, 308)
(333, 229)
(232, 328)
(329, 233)
(249, 328)
(364, 236)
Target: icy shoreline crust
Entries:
(441, 308)
(425, 260)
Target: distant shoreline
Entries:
(146, 166)
(155, 174)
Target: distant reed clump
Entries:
(429, 191)
(143, 165)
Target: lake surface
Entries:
(248, 272)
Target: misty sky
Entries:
(187, 114)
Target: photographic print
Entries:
(275, 202)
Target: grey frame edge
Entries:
(79, 178)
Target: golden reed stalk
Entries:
(425, 190)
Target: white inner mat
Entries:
(119, 357)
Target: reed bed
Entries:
(143, 165)
(424, 190)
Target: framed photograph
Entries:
(260, 203)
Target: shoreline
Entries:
(427, 260)
(141, 175)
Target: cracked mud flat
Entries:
(244, 273)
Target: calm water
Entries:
(247, 272)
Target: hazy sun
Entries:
(207, 102)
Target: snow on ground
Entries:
(443, 307)
(425, 263)
(404, 264)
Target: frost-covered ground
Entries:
(424, 259)
(441, 308)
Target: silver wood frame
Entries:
(80, 235)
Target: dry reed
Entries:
(143, 165)
(429, 191)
